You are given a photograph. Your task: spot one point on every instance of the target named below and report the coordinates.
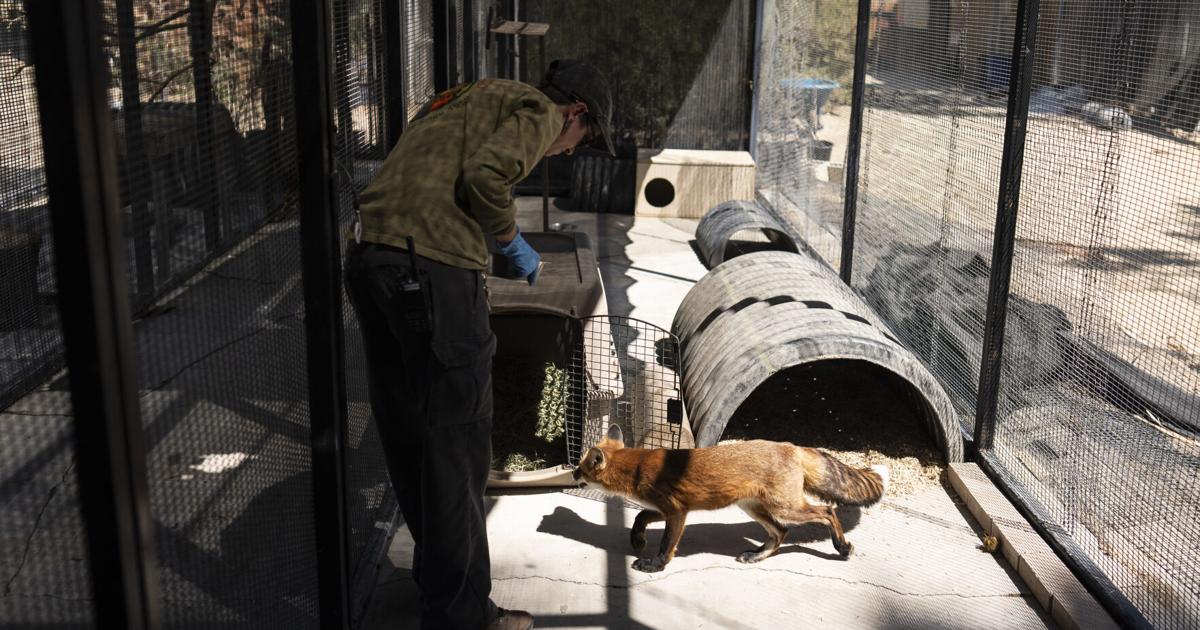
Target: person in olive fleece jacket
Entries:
(446, 188)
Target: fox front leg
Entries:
(637, 533)
(666, 551)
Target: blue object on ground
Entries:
(996, 72)
(812, 94)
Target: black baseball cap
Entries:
(581, 81)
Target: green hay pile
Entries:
(529, 419)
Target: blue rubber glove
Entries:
(525, 262)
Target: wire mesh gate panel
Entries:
(45, 579)
(623, 372)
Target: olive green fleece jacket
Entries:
(448, 181)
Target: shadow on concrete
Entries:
(1135, 259)
(722, 539)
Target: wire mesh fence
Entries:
(1101, 424)
(29, 335)
(43, 570)
(1096, 427)
(360, 147)
(202, 102)
(802, 115)
(221, 357)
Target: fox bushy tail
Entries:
(834, 481)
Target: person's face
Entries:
(576, 130)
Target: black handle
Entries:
(412, 259)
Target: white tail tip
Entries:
(883, 473)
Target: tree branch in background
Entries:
(163, 86)
(150, 30)
(161, 25)
(160, 30)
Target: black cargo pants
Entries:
(430, 382)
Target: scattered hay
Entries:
(861, 414)
(907, 475)
(518, 462)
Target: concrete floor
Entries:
(566, 559)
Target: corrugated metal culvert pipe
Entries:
(766, 312)
(733, 228)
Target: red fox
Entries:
(768, 480)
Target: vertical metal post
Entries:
(546, 159)
(1011, 162)
(321, 269)
(755, 87)
(470, 51)
(445, 41)
(85, 212)
(503, 45)
(395, 70)
(200, 36)
(753, 15)
(137, 164)
(375, 64)
(518, 47)
(854, 143)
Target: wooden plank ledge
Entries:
(527, 29)
(1052, 583)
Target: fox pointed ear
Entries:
(614, 433)
(593, 460)
(597, 459)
